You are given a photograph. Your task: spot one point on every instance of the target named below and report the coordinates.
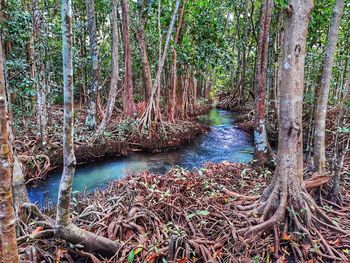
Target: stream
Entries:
(224, 142)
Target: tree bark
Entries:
(39, 78)
(287, 187)
(146, 70)
(177, 43)
(340, 149)
(245, 54)
(260, 135)
(115, 69)
(64, 228)
(152, 111)
(20, 193)
(321, 108)
(128, 99)
(90, 121)
(8, 239)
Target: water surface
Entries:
(224, 142)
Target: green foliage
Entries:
(216, 36)
(198, 213)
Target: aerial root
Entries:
(311, 221)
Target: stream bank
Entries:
(121, 137)
(223, 142)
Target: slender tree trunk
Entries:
(69, 161)
(64, 228)
(260, 136)
(146, 69)
(152, 112)
(30, 61)
(340, 149)
(90, 121)
(39, 77)
(128, 99)
(8, 239)
(321, 108)
(174, 84)
(115, 69)
(160, 54)
(244, 54)
(20, 193)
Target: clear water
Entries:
(224, 142)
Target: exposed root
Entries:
(198, 217)
(307, 225)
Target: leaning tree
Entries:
(286, 202)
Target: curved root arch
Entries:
(295, 217)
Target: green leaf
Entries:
(202, 213)
(131, 256)
(190, 216)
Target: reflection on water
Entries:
(224, 142)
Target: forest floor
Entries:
(122, 135)
(190, 216)
(184, 216)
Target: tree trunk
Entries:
(39, 78)
(244, 54)
(321, 108)
(20, 194)
(64, 228)
(115, 69)
(30, 61)
(152, 111)
(285, 203)
(340, 149)
(128, 99)
(260, 136)
(160, 54)
(286, 195)
(174, 84)
(90, 121)
(146, 70)
(8, 239)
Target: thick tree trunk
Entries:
(115, 70)
(64, 228)
(39, 70)
(8, 239)
(260, 136)
(321, 108)
(90, 121)
(128, 99)
(287, 187)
